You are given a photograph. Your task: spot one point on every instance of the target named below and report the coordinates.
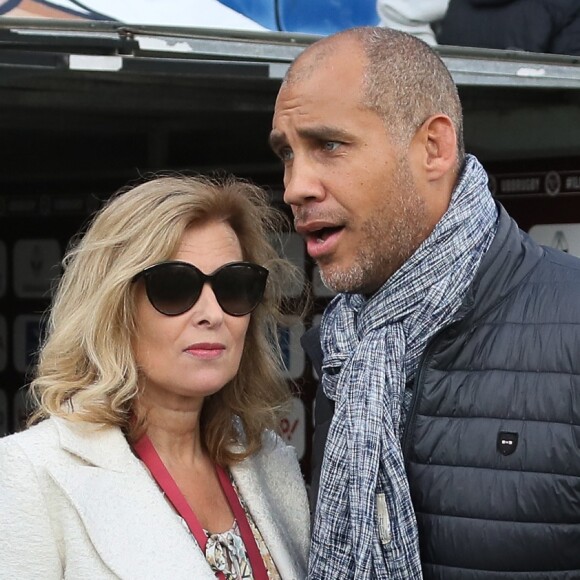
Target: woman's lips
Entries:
(205, 350)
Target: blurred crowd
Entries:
(548, 26)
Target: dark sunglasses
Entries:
(174, 287)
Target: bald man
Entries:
(447, 434)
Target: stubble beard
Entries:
(390, 237)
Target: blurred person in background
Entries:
(415, 17)
(548, 26)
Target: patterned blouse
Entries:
(225, 552)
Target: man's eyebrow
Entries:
(278, 140)
(324, 133)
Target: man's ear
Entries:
(437, 143)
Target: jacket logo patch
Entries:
(507, 442)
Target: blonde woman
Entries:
(152, 453)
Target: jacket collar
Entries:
(121, 498)
(511, 257)
(94, 444)
(125, 516)
(255, 484)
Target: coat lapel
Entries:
(261, 499)
(132, 527)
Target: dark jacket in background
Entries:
(492, 442)
(550, 26)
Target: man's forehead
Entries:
(343, 53)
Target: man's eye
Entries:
(331, 145)
(285, 154)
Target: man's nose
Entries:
(302, 183)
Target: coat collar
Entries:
(126, 517)
(128, 520)
(510, 258)
(98, 445)
(255, 484)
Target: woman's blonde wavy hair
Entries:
(87, 369)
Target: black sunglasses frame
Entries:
(260, 276)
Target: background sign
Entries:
(3, 343)
(291, 247)
(3, 413)
(565, 237)
(27, 335)
(293, 427)
(3, 268)
(36, 267)
(21, 409)
(292, 352)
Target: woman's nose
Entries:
(207, 309)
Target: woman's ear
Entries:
(437, 141)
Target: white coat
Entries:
(76, 503)
(412, 16)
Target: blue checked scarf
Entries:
(371, 350)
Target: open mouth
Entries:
(321, 243)
(323, 234)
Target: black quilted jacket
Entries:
(492, 443)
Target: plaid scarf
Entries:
(371, 351)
